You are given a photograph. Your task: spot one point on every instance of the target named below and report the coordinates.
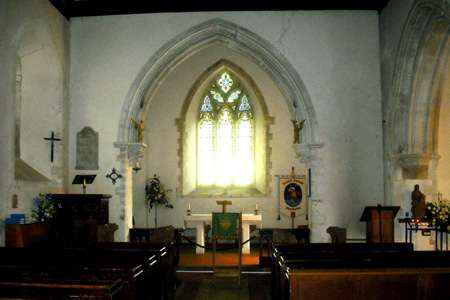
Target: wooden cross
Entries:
(224, 204)
(52, 139)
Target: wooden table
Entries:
(201, 219)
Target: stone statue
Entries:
(418, 204)
(297, 128)
(140, 128)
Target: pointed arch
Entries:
(412, 118)
(420, 67)
(232, 36)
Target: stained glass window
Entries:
(217, 96)
(225, 135)
(244, 104)
(225, 82)
(206, 105)
(234, 96)
(244, 147)
(206, 149)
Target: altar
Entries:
(200, 219)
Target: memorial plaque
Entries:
(87, 149)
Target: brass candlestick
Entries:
(188, 212)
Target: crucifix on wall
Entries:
(52, 139)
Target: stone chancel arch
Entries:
(234, 37)
(181, 48)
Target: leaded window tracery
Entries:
(225, 135)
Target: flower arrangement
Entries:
(156, 193)
(439, 210)
(43, 208)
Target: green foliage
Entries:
(156, 193)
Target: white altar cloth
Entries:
(201, 219)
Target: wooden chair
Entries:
(227, 226)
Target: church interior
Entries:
(130, 124)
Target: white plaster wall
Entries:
(51, 30)
(335, 53)
(443, 169)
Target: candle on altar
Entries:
(189, 206)
(256, 206)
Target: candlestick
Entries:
(225, 190)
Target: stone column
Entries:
(121, 208)
(308, 153)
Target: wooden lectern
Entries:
(379, 223)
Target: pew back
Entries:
(374, 284)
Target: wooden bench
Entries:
(61, 291)
(161, 275)
(288, 252)
(167, 235)
(132, 279)
(375, 284)
(334, 273)
(137, 271)
(156, 261)
(268, 236)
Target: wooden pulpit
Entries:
(79, 215)
(379, 223)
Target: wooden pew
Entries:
(129, 268)
(291, 251)
(167, 235)
(328, 276)
(161, 276)
(61, 291)
(157, 261)
(339, 247)
(376, 284)
(131, 278)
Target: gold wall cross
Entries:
(224, 204)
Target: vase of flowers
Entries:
(43, 208)
(156, 195)
(439, 211)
